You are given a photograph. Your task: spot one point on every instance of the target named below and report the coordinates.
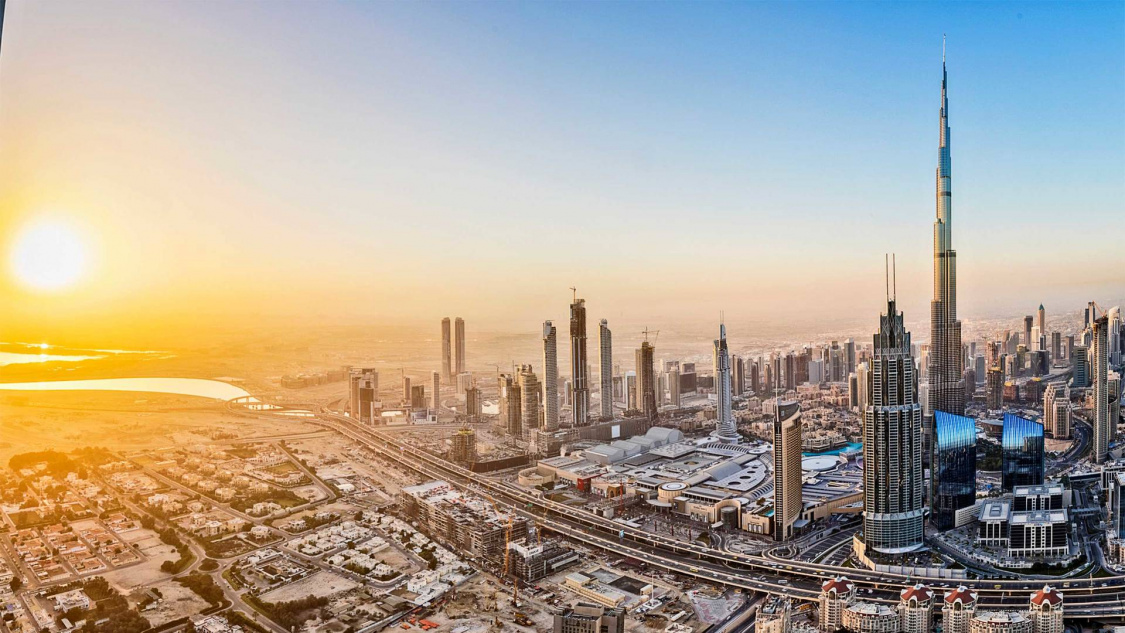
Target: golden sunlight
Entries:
(48, 255)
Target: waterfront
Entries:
(214, 389)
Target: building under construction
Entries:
(463, 449)
(531, 563)
(466, 524)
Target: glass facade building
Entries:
(1023, 458)
(954, 475)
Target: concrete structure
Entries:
(467, 524)
(916, 609)
(787, 473)
(550, 378)
(589, 618)
(463, 449)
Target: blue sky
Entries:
(671, 158)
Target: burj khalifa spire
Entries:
(946, 392)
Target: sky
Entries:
(237, 163)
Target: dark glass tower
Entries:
(1023, 458)
(578, 362)
(954, 473)
(892, 443)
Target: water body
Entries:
(12, 358)
(214, 389)
(852, 446)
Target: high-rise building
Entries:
(787, 503)
(835, 596)
(1056, 346)
(1056, 410)
(1116, 336)
(849, 356)
(1113, 388)
(589, 618)
(1023, 458)
(725, 428)
(511, 405)
(953, 485)
(892, 442)
(945, 391)
(459, 344)
(605, 347)
(1028, 326)
(463, 446)
(1046, 611)
(1041, 319)
(674, 388)
(916, 609)
(435, 396)
(550, 378)
(994, 390)
(853, 391)
(863, 386)
(1099, 363)
(363, 394)
(1080, 362)
(406, 390)
(474, 404)
(579, 386)
(737, 376)
(446, 351)
(958, 609)
(529, 399)
(646, 380)
(418, 397)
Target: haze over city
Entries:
(481, 317)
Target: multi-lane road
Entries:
(1091, 598)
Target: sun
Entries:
(48, 255)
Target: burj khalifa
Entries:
(946, 391)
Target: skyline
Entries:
(725, 150)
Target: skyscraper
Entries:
(511, 405)
(892, 442)
(605, 359)
(954, 473)
(446, 351)
(1028, 324)
(459, 342)
(787, 503)
(945, 390)
(550, 378)
(435, 397)
(725, 428)
(1041, 320)
(646, 381)
(1056, 410)
(1099, 366)
(529, 399)
(578, 359)
(1023, 459)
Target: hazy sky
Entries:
(397, 162)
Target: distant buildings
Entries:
(787, 480)
(1056, 410)
(580, 389)
(510, 420)
(363, 394)
(1099, 360)
(550, 378)
(459, 343)
(529, 400)
(446, 351)
(892, 443)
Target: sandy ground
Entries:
(147, 572)
(322, 583)
(31, 421)
(179, 601)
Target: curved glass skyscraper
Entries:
(1023, 458)
(954, 469)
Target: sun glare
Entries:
(48, 255)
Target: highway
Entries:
(1085, 597)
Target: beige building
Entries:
(1000, 622)
(835, 596)
(957, 612)
(870, 617)
(787, 473)
(1046, 610)
(916, 609)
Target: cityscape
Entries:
(424, 467)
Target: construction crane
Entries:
(655, 333)
(507, 557)
(574, 294)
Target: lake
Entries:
(214, 389)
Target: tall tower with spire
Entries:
(946, 393)
(725, 428)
